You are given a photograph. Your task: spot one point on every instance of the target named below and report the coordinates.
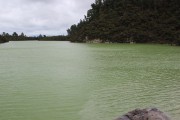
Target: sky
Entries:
(47, 17)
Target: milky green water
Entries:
(70, 81)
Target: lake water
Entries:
(71, 81)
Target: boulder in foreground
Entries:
(144, 114)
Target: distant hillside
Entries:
(140, 21)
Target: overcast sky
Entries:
(34, 17)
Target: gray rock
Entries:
(144, 114)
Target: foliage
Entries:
(15, 37)
(140, 21)
(54, 38)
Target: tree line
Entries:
(54, 38)
(121, 21)
(6, 37)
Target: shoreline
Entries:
(93, 42)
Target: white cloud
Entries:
(33, 17)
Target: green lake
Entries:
(72, 81)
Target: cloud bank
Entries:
(34, 17)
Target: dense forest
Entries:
(6, 37)
(122, 21)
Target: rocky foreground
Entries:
(144, 114)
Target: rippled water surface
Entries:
(70, 81)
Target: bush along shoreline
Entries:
(3, 39)
(129, 21)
